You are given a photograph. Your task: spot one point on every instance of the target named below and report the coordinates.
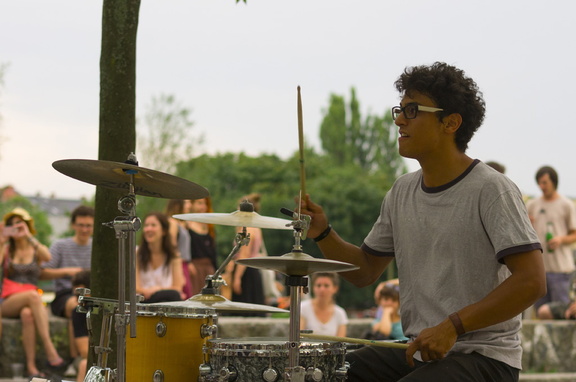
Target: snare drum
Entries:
(168, 344)
(263, 359)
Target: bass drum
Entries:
(169, 342)
(265, 359)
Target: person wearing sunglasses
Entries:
(469, 261)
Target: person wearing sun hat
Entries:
(21, 257)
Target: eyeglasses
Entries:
(411, 110)
(84, 226)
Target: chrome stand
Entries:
(298, 285)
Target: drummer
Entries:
(469, 262)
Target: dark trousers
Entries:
(377, 364)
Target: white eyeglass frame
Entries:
(401, 109)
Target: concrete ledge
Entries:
(548, 377)
(549, 346)
(11, 349)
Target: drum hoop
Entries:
(254, 347)
(151, 310)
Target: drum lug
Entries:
(313, 374)
(296, 374)
(204, 370)
(208, 330)
(161, 329)
(158, 376)
(342, 372)
(228, 374)
(270, 375)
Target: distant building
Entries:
(58, 211)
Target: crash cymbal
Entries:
(116, 175)
(221, 303)
(296, 264)
(238, 219)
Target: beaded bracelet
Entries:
(324, 233)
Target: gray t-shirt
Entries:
(67, 253)
(449, 243)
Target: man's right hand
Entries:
(319, 221)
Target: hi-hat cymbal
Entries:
(296, 264)
(115, 175)
(221, 303)
(238, 219)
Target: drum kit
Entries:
(177, 341)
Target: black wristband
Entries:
(324, 233)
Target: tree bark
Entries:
(117, 139)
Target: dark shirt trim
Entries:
(518, 249)
(432, 190)
(374, 252)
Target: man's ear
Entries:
(452, 122)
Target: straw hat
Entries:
(24, 215)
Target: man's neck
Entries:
(440, 172)
(551, 197)
(80, 240)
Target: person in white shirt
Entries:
(320, 313)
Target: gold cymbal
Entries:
(221, 303)
(296, 264)
(147, 182)
(238, 219)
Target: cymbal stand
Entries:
(215, 281)
(99, 372)
(298, 285)
(125, 228)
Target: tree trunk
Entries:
(117, 139)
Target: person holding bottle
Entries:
(554, 219)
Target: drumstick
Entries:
(386, 344)
(301, 144)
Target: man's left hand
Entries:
(433, 343)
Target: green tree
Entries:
(351, 196)
(165, 139)
(368, 142)
(168, 138)
(230, 176)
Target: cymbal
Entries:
(296, 264)
(238, 219)
(146, 182)
(221, 303)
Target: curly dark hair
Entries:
(452, 91)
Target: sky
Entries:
(237, 66)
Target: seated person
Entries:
(559, 310)
(320, 313)
(80, 280)
(159, 275)
(388, 326)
